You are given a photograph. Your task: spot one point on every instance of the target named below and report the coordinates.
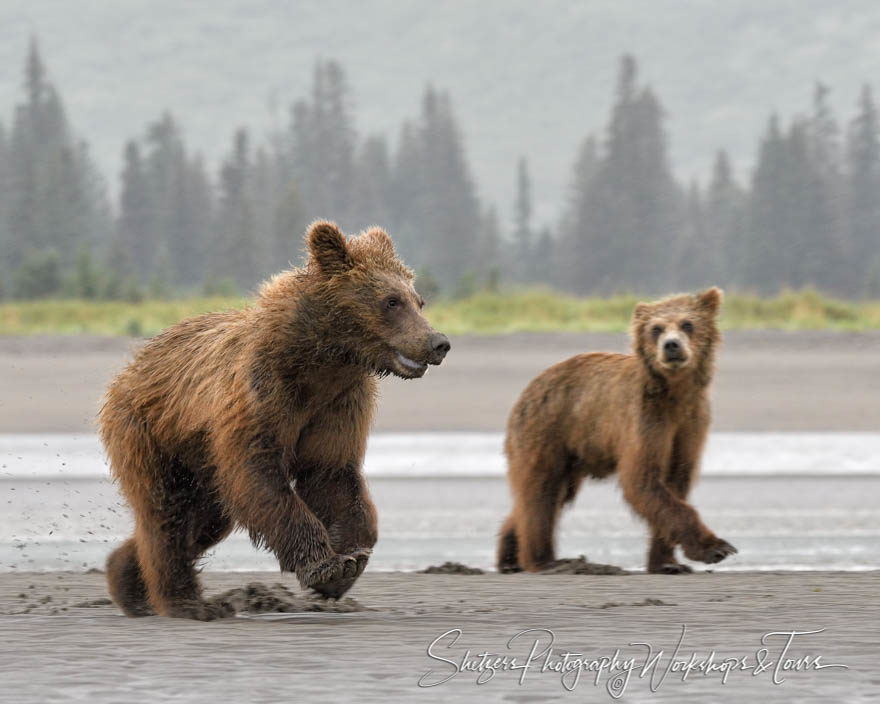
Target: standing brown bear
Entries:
(644, 415)
(258, 418)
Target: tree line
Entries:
(808, 217)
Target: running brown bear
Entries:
(643, 415)
(258, 418)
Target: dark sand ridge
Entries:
(766, 381)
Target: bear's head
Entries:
(375, 309)
(676, 336)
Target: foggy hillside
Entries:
(525, 78)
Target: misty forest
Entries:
(808, 216)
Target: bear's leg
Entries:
(341, 501)
(661, 557)
(687, 448)
(211, 525)
(672, 520)
(257, 495)
(171, 536)
(125, 581)
(699, 543)
(170, 574)
(536, 510)
(661, 554)
(508, 549)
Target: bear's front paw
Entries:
(361, 556)
(332, 576)
(710, 550)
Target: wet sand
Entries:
(72, 645)
(766, 381)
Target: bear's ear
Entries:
(379, 239)
(328, 248)
(710, 299)
(642, 311)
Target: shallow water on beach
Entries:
(786, 500)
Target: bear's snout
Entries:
(440, 346)
(672, 349)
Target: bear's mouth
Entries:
(674, 363)
(408, 368)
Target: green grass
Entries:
(540, 310)
(532, 310)
(72, 317)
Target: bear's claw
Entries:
(714, 550)
(335, 575)
(362, 556)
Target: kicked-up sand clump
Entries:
(581, 565)
(259, 598)
(451, 568)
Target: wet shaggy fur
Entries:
(258, 418)
(643, 416)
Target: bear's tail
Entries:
(508, 548)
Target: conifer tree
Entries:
(323, 146)
(725, 226)
(444, 205)
(863, 157)
(135, 226)
(522, 224)
(54, 199)
(237, 250)
(489, 256)
(623, 228)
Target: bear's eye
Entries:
(688, 327)
(656, 331)
(392, 303)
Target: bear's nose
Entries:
(439, 345)
(671, 346)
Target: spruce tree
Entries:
(826, 238)
(446, 206)
(863, 157)
(5, 238)
(135, 224)
(323, 146)
(372, 183)
(766, 216)
(623, 228)
(696, 257)
(290, 222)
(54, 198)
(407, 195)
(489, 256)
(237, 252)
(573, 250)
(725, 227)
(544, 256)
(522, 224)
